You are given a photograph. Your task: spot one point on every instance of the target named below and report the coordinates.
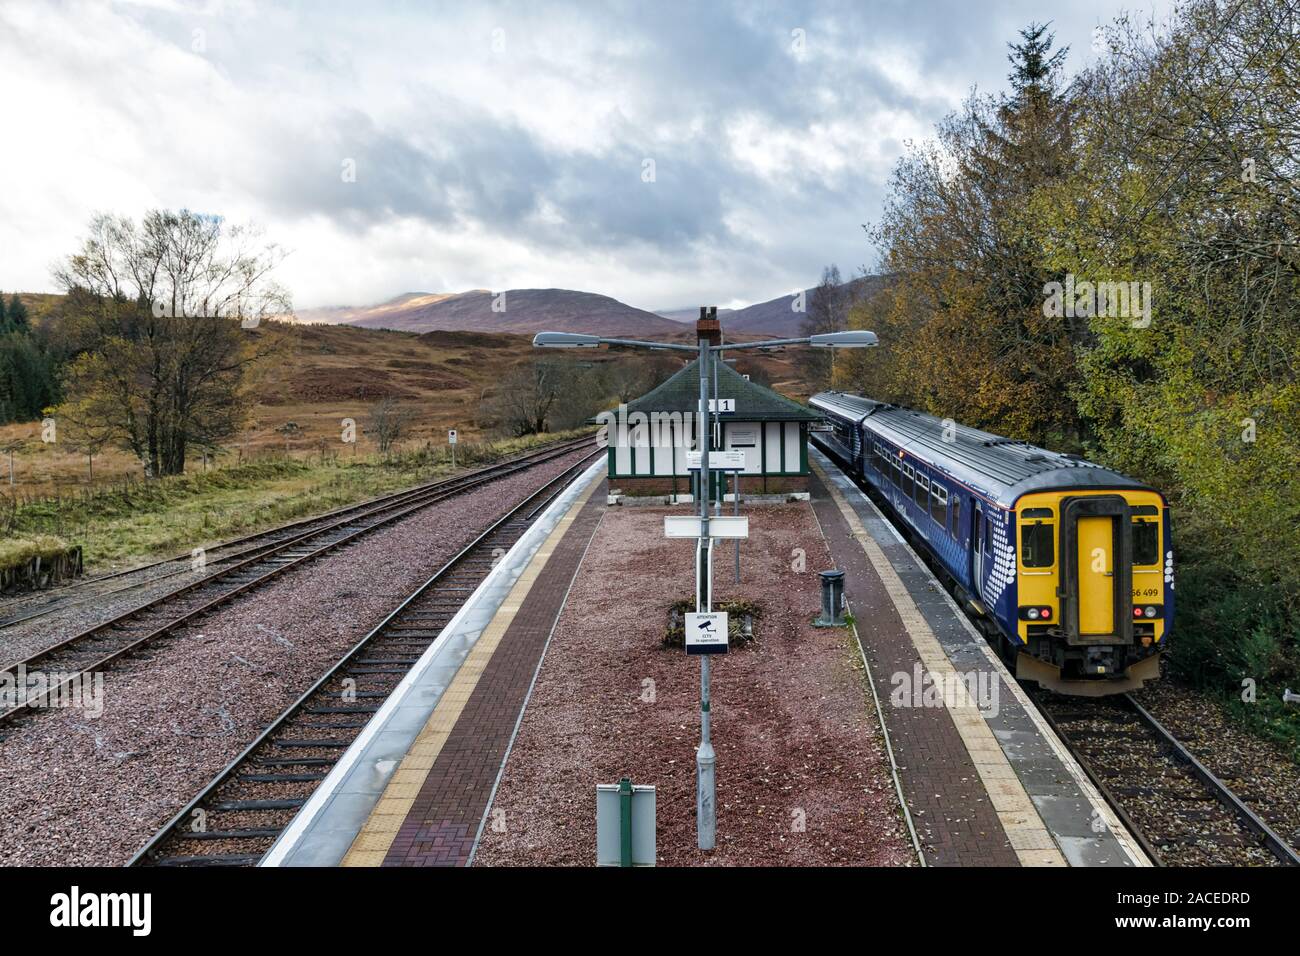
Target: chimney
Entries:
(708, 327)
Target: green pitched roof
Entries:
(681, 393)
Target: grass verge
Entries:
(125, 526)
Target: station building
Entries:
(650, 436)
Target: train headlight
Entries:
(1137, 612)
(1150, 611)
(1045, 613)
(1032, 614)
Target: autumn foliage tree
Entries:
(1173, 162)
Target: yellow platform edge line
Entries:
(380, 829)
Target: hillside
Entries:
(522, 311)
(775, 316)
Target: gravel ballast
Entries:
(81, 790)
(803, 775)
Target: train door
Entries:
(1096, 569)
(977, 551)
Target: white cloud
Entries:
(485, 159)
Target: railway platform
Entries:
(414, 788)
(984, 781)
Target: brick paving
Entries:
(444, 820)
(950, 807)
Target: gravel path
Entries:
(803, 777)
(89, 791)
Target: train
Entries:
(1066, 566)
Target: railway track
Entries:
(1177, 809)
(99, 587)
(238, 815)
(95, 648)
(1180, 812)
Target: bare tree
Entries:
(164, 315)
(827, 312)
(528, 395)
(387, 422)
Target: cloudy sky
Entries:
(665, 154)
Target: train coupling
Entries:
(1099, 661)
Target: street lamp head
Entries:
(565, 340)
(843, 340)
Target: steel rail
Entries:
(148, 853)
(58, 604)
(1222, 792)
(35, 662)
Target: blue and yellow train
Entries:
(1067, 565)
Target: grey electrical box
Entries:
(625, 825)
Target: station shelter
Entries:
(649, 437)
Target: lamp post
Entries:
(705, 762)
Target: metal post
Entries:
(625, 821)
(717, 417)
(736, 489)
(705, 807)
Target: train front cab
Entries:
(1093, 605)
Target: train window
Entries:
(907, 481)
(922, 490)
(1037, 543)
(1144, 510)
(939, 504)
(895, 472)
(1044, 513)
(956, 517)
(1146, 542)
(987, 529)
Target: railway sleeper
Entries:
(225, 859)
(234, 806)
(250, 834)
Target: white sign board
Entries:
(722, 404)
(728, 460)
(723, 526)
(742, 436)
(451, 436)
(706, 632)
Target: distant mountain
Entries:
(347, 314)
(777, 317)
(522, 311)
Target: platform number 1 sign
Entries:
(451, 440)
